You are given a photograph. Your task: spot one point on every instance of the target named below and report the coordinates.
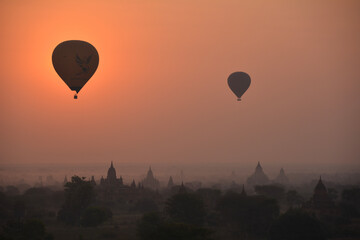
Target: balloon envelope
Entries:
(239, 82)
(75, 62)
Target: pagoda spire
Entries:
(170, 182)
(65, 180)
(182, 188)
(258, 167)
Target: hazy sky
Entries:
(160, 93)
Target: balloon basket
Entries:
(75, 96)
(239, 99)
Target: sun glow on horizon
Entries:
(161, 81)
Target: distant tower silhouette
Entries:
(282, 178)
(150, 173)
(111, 175)
(182, 188)
(321, 197)
(171, 182)
(133, 184)
(41, 181)
(258, 177)
(121, 180)
(65, 180)
(321, 203)
(92, 181)
(150, 181)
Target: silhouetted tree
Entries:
(271, 191)
(248, 214)
(296, 225)
(94, 216)
(186, 208)
(38, 191)
(12, 190)
(12, 207)
(210, 196)
(78, 196)
(350, 203)
(146, 205)
(294, 199)
(352, 196)
(348, 211)
(28, 230)
(153, 226)
(38, 196)
(149, 225)
(5, 211)
(333, 194)
(182, 231)
(19, 209)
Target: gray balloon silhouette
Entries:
(239, 82)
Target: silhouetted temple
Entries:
(282, 178)
(150, 181)
(320, 203)
(258, 177)
(170, 183)
(92, 181)
(112, 188)
(133, 184)
(111, 179)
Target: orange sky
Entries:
(160, 92)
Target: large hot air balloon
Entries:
(239, 82)
(75, 61)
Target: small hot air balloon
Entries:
(239, 82)
(75, 62)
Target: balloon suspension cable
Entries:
(75, 96)
(239, 99)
